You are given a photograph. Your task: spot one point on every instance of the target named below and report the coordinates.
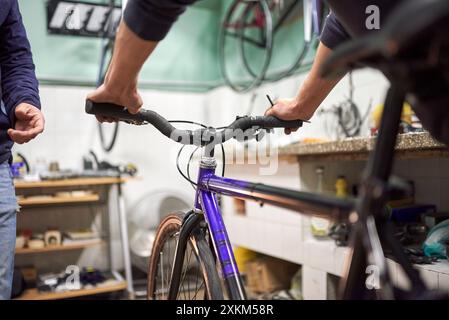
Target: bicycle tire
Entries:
(108, 48)
(169, 228)
(246, 14)
(258, 79)
(279, 75)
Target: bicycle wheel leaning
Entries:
(198, 279)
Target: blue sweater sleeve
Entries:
(18, 79)
(152, 19)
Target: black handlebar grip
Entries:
(112, 110)
(269, 122)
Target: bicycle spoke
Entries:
(161, 257)
(197, 291)
(170, 265)
(196, 282)
(260, 44)
(186, 266)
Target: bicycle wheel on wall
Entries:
(247, 28)
(199, 277)
(292, 38)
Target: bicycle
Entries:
(197, 231)
(201, 234)
(254, 24)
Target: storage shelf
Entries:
(410, 145)
(61, 247)
(19, 184)
(42, 201)
(33, 294)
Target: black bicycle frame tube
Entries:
(365, 239)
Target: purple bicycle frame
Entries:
(209, 185)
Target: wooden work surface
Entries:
(69, 182)
(58, 200)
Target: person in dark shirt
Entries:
(20, 122)
(146, 22)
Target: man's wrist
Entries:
(118, 89)
(301, 110)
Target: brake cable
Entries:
(187, 175)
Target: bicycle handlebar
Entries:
(199, 137)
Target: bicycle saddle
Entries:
(411, 25)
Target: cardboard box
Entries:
(268, 274)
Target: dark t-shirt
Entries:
(152, 19)
(349, 19)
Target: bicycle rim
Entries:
(199, 277)
(267, 36)
(301, 51)
(240, 85)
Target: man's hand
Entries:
(29, 123)
(288, 109)
(128, 98)
(120, 83)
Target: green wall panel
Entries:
(187, 57)
(186, 60)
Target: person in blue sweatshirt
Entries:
(20, 121)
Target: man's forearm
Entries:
(315, 88)
(130, 53)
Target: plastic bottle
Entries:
(341, 187)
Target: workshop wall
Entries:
(186, 59)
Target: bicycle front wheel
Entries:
(199, 279)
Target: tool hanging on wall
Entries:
(107, 49)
